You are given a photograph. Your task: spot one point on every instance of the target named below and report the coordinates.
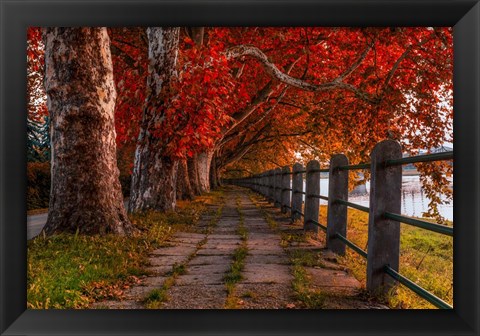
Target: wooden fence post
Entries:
(286, 189)
(278, 187)
(383, 234)
(297, 190)
(260, 181)
(274, 181)
(312, 203)
(265, 184)
(337, 213)
(271, 186)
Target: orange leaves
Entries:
(102, 290)
(194, 116)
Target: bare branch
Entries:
(355, 65)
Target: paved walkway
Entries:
(241, 260)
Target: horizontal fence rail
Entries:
(417, 289)
(285, 188)
(353, 167)
(325, 198)
(421, 158)
(321, 226)
(353, 205)
(446, 230)
(352, 245)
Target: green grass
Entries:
(288, 238)
(72, 271)
(234, 274)
(311, 298)
(178, 269)
(304, 258)
(155, 297)
(425, 257)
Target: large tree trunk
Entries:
(193, 175)
(204, 159)
(184, 189)
(154, 172)
(85, 192)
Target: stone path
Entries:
(203, 286)
(267, 275)
(191, 272)
(339, 289)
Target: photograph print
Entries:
(240, 168)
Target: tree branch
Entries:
(229, 135)
(402, 57)
(272, 70)
(355, 65)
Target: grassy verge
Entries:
(72, 271)
(425, 257)
(234, 274)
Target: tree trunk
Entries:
(193, 175)
(184, 189)
(85, 192)
(154, 172)
(213, 173)
(196, 34)
(204, 160)
(217, 176)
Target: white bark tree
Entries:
(154, 173)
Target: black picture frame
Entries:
(16, 16)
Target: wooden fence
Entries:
(284, 187)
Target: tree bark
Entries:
(187, 181)
(204, 159)
(154, 173)
(86, 196)
(213, 174)
(193, 175)
(184, 189)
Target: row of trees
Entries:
(181, 106)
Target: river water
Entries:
(414, 201)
